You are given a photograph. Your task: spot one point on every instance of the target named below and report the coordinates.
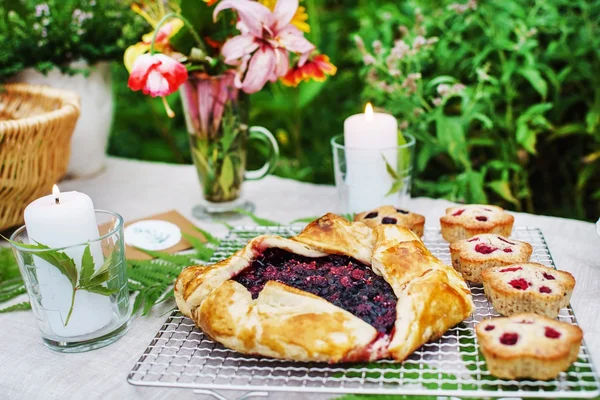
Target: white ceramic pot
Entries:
(90, 139)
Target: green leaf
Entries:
(502, 188)
(203, 252)
(536, 80)
(11, 294)
(308, 91)
(87, 266)
(58, 259)
(390, 170)
(210, 238)
(226, 177)
(451, 135)
(257, 220)
(304, 219)
(24, 306)
(396, 187)
(99, 289)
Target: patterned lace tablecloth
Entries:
(28, 370)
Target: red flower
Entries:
(157, 75)
(317, 69)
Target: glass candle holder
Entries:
(78, 293)
(369, 178)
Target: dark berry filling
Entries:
(520, 284)
(485, 248)
(545, 289)
(389, 220)
(552, 333)
(549, 277)
(372, 215)
(489, 327)
(509, 339)
(526, 321)
(341, 280)
(511, 269)
(487, 209)
(473, 240)
(508, 250)
(505, 241)
(481, 218)
(459, 212)
(401, 211)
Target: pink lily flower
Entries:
(157, 75)
(261, 50)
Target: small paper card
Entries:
(162, 232)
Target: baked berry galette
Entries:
(464, 222)
(528, 287)
(339, 291)
(471, 256)
(390, 215)
(528, 346)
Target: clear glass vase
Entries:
(216, 114)
(369, 178)
(79, 293)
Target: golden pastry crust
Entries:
(528, 288)
(528, 346)
(390, 215)
(285, 322)
(336, 235)
(470, 257)
(464, 222)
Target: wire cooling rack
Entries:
(181, 356)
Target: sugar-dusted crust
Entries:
(547, 289)
(472, 256)
(461, 222)
(391, 215)
(284, 322)
(542, 348)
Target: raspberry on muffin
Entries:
(464, 222)
(529, 287)
(528, 346)
(390, 215)
(471, 256)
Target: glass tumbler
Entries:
(78, 293)
(369, 178)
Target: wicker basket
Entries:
(36, 124)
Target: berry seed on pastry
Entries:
(390, 215)
(528, 346)
(528, 287)
(471, 256)
(464, 222)
(337, 292)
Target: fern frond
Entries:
(210, 238)
(12, 294)
(179, 259)
(24, 306)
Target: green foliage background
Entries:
(523, 130)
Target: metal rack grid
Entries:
(181, 356)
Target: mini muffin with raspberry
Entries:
(471, 256)
(464, 222)
(528, 346)
(529, 287)
(390, 215)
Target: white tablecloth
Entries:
(28, 370)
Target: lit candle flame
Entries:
(369, 112)
(56, 193)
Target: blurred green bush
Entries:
(504, 98)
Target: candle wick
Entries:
(56, 200)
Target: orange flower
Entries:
(210, 2)
(317, 69)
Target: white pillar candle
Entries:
(368, 138)
(61, 220)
